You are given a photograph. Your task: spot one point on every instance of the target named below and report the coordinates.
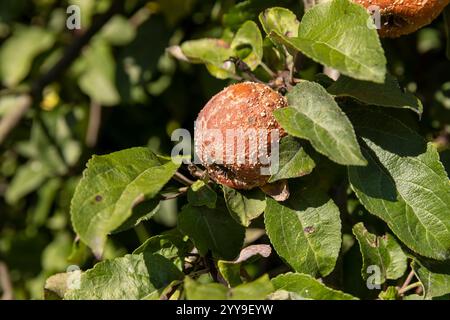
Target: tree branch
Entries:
(180, 192)
(12, 118)
(332, 73)
(5, 283)
(408, 280)
(95, 116)
(182, 179)
(409, 287)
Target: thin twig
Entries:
(332, 73)
(171, 196)
(209, 262)
(140, 17)
(292, 69)
(196, 172)
(182, 179)
(236, 77)
(192, 255)
(95, 116)
(289, 62)
(408, 280)
(180, 192)
(5, 282)
(250, 76)
(411, 286)
(245, 70)
(12, 118)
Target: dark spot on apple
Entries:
(98, 198)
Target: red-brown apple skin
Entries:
(243, 106)
(401, 17)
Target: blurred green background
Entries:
(124, 90)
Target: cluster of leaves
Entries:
(369, 208)
(117, 73)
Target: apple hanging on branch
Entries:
(236, 132)
(401, 17)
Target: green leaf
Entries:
(255, 290)
(435, 283)
(170, 292)
(52, 141)
(212, 52)
(79, 253)
(208, 291)
(249, 35)
(46, 197)
(244, 206)
(428, 39)
(280, 20)
(98, 77)
(305, 230)
(383, 252)
(294, 162)
(258, 289)
(230, 272)
(167, 213)
(130, 277)
(390, 293)
(112, 185)
(212, 229)
(413, 297)
(398, 263)
(28, 178)
(200, 194)
(336, 34)
(118, 31)
(387, 94)
(183, 9)
(314, 115)
(306, 287)
(54, 256)
(404, 183)
(248, 10)
(19, 51)
(141, 212)
(170, 245)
